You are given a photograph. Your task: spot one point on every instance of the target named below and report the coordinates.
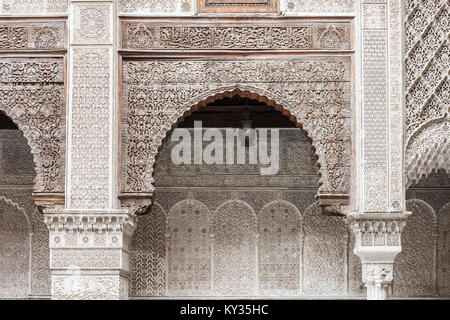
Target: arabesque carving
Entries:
(32, 95)
(314, 91)
(231, 35)
(32, 35)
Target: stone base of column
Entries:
(89, 253)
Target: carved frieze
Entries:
(231, 35)
(156, 93)
(32, 35)
(427, 86)
(238, 6)
(293, 7)
(32, 95)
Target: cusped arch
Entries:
(189, 248)
(235, 247)
(32, 96)
(327, 133)
(148, 253)
(414, 267)
(280, 230)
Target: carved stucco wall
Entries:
(414, 266)
(313, 251)
(32, 95)
(325, 7)
(220, 210)
(156, 94)
(189, 7)
(429, 224)
(158, 7)
(32, 7)
(427, 84)
(15, 250)
(20, 218)
(91, 106)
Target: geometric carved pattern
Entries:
(157, 7)
(235, 231)
(148, 254)
(32, 36)
(414, 267)
(32, 7)
(12, 172)
(32, 95)
(427, 67)
(226, 35)
(156, 94)
(91, 81)
(14, 250)
(279, 225)
(324, 253)
(189, 248)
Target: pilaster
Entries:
(379, 214)
(90, 238)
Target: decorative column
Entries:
(377, 215)
(90, 237)
(89, 254)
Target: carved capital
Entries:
(98, 221)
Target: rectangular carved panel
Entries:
(231, 35)
(32, 95)
(32, 35)
(244, 6)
